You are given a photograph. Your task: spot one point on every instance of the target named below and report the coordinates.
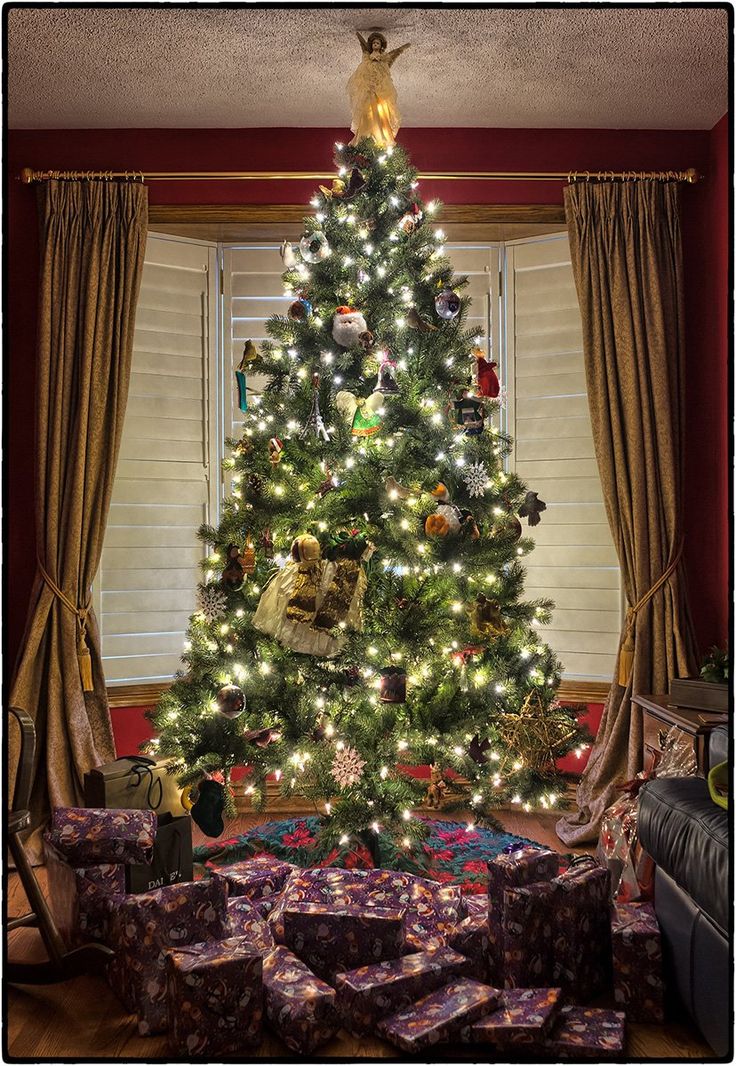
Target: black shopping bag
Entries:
(172, 857)
(134, 782)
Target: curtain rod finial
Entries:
(691, 176)
(26, 175)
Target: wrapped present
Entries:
(470, 937)
(368, 994)
(522, 866)
(214, 996)
(81, 899)
(246, 921)
(85, 836)
(582, 964)
(476, 903)
(300, 1008)
(631, 869)
(144, 925)
(440, 1016)
(257, 878)
(432, 912)
(588, 1033)
(527, 925)
(332, 939)
(525, 1017)
(638, 983)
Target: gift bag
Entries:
(134, 782)
(172, 857)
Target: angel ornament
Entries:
(375, 112)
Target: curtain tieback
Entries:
(83, 654)
(626, 654)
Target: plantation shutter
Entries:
(146, 586)
(574, 561)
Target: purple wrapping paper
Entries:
(525, 1016)
(245, 920)
(527, 925)
(368, 994)
(470, 938)
(253, 878)
(476, 904)
(432, 913)
(85, 836)
(214, 994)
(144, 925)
(588, 1033)
(524, 866)
(300, 1008)
(333, 939)
(81, 900)
(582, 964)
(437, 1017)
(638, 984)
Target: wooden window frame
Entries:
(147, 695)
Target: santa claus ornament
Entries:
(347, 326)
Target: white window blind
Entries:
(574, 561)
(145, 590)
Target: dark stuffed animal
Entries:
(207, 811)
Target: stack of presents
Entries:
(308, 951)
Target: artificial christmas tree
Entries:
(379, 624)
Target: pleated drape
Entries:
(92, 238)
(627, 261)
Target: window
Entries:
(183, 404)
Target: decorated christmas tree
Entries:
(361, 612)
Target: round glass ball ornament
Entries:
(300, 310)
(447, 304)
(231, 701)
(314, 247)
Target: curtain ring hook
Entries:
(587, 176)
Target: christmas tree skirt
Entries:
(449, 853)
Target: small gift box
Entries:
(432, 913)
(441, 1015)
(368, 994)
(470, 938)
(144, 925)
(527, 925)
(300, 1008)
(85, 836)
(80, 898)
(333, 939)
(588, 1033)
(245, 920)
(638, 983)
(256, 878)
(582, 964)
(522, 866)
(525, 1016)
(214, 996)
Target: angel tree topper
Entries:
(347, 326)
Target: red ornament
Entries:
(488, 383)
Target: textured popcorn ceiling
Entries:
(663, 68)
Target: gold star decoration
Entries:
(534, 735)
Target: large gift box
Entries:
(86, 836)
(246, 921)
(368, 994)
(144, 925)
(521, 866)
(524, 1017)
(256, 879)
(332, 939)
(214, 997)
(470, 937)
(300, 1007)
(438, 1017)
(588, 1033)
(638, 984)
(81, 899)
(527, 925)
(582, 964)
(134, 782)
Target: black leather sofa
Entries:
(687, 835)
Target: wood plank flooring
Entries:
(82, 1019)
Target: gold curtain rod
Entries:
(28, 176)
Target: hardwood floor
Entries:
(82, 1019)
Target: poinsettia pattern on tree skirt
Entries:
(450, 853)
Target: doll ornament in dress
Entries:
(375, 111)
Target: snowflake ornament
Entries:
(347, 767)
(211, 601)
(476, 479)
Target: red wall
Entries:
(706, 243)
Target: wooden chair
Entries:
(62, 964)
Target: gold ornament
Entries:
(534, 734)
(486, 619)
(303, 600)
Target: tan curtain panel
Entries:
(93, 237)
(627, 261)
